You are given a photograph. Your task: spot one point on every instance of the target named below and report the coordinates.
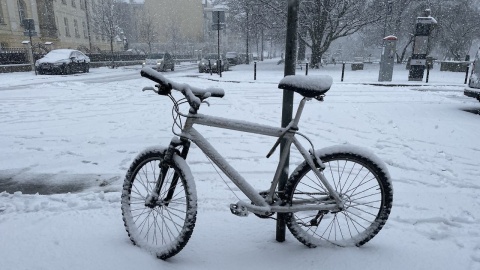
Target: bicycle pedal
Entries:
(237, 210)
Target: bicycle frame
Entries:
(262, 205)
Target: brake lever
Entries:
(162, 90)
(149, 88)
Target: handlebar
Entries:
(194, 95)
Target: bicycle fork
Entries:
(152, 199)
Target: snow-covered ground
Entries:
(80, 133)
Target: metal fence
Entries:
(20, 56)
(12, 56)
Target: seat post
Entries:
(299, 112)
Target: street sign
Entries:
(29, 24)
(218, 17)
(30, 33)
(216, 27)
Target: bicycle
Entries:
(341, 195)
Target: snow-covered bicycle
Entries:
(340, 195)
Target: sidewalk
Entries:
(269, 71)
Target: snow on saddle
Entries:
(307, 86)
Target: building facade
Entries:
(62, 23)
(176, 22)
(179, 26)
(12, 14)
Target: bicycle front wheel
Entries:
(165, 227)
(363, 183)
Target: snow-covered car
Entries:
(232, 58)
(160, 61)
(473, 88)
(63, 61)
(210, 61)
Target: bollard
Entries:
(428, 72)
(210, 66)
(219, 67)
(343, 70)
(306, 69)
(254, 71)
(466, 74)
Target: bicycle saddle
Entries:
(307, 86)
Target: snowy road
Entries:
(20, 80)
(80, 133)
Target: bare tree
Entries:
(456, 33)
(453, 35)
(321, 21)
(175, 36)
(258, 20)
(147, 32)
(325, 21)
(106, 22)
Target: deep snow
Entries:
(81, 132)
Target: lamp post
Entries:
(287, 107)
(218, 19)
(388, 11)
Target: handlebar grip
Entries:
(155, 76)
(193, 95)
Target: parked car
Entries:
(63, 61)
(160, 61)
(232, 58)
(204, 65)
(473, 88)
(243, 58)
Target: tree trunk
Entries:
(302, 47)
(111, 50)
(404, 51)
(316, 56)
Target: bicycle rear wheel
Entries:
(361, 182)
(165, 227)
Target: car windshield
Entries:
(155, 56)
(231, 54)
(58, 55)
(211, 56)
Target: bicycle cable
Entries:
(306, 138)
(176, 115)
(177, 121)
(211, 163)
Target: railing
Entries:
(13, 56)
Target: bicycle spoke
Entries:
(359, 183)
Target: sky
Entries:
(80, 133)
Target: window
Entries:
(58, 26)
(67, 29)
(22, 11)
(2, 20)
(82, 4)
(75, 26)
(74, 4)
(85, 33)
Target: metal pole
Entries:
(261, 56)
(466, 74)
(428, 73)
(306, 69)
(219, 67)
(254, 71)
(218, 45)
(247, 61)
(31, 49)
(343, 70)
(287, 108)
